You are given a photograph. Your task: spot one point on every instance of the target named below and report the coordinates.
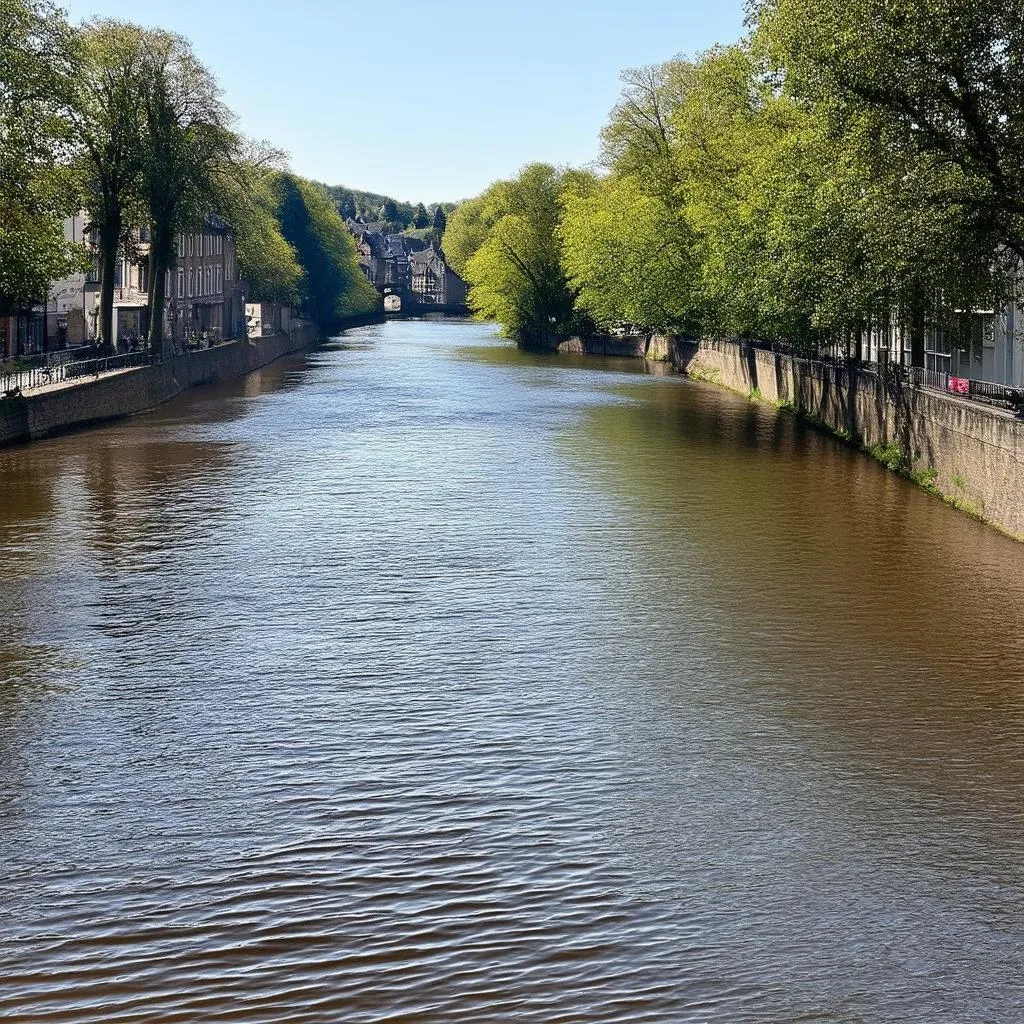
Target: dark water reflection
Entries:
(417, 679)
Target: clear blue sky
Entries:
(428, 101)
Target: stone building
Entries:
(65, 308)
(204, 296)
(384, 259)
(410, 274)
(433, 282)
(986, 347)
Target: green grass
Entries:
(709, 375)
(926, 478)
(890, 455)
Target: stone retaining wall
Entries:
(633, 346)
(34, 416)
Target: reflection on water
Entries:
(418, 679)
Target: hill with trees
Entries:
(395, 216)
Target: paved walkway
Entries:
(42, 389)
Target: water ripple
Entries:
(418, 680)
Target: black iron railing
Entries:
(965, 387)
(34, 377)
(837, 368)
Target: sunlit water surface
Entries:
(417, 679)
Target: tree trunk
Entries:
(110, 237)
(160, 263)
(917, 329)
(859, 349)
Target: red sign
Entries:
(959, 385)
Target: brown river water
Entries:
(416, 679)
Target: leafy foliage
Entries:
(38, 64)
(266, 260)
(941, 77)
(112, 79)
(188, 146)
(506, 245)
(624, 253)
(331, 286)
(790, 187)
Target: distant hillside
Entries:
(373, 207)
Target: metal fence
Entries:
(922, 378)
(15, 383)
(979, 390)
(837, 369)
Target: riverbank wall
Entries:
(114, 396)
(969, 454)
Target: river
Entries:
(417, 679)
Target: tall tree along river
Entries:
(418, 679)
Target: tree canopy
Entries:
(126, 123)
(331, 285)
(507, 246)
(848, 163)
(38, 68)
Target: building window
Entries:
(181, 282)
(191, 282)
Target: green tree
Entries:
(112, 81)
(347, 206)
(467, 229)
(785, 229)
(37, 73)
(942, 77)
(266, 260)
(419, 218)
(332, 286)
(627, 245)
(507, 245)
(628, 258)
(188, 146)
